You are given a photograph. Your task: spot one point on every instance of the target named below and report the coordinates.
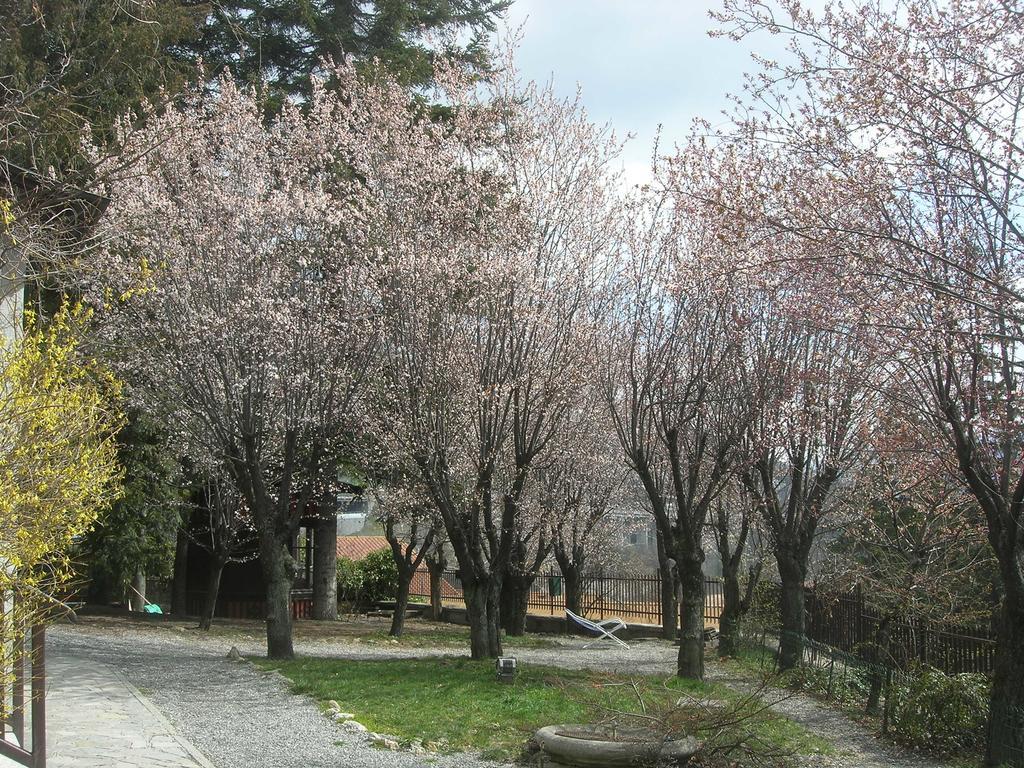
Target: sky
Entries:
(640, 63)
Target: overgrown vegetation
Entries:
(136, 535)
(736, 730)
(926, 709)
(458, 702)
(939, 712)
(840, 683)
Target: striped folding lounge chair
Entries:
(605, 630)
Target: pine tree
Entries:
(282, 42)
(66, 65)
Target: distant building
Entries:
(354, 511)
(635, 539)
(358, 547)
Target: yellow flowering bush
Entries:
(58, 457)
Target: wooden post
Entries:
(39, 696)
(4, 713)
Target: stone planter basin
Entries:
(600, 746)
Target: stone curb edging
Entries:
(191, 750)
(347, 723)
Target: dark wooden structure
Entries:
(242, 592)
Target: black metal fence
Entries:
(633, 597)
(845, 658)
(848, 623)
(842, 621)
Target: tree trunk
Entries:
(729, 623)
(691, 636)
(325, 567)
(669, 593)
(179, 584)
(515, 594)
(212, 590)
(436, 571)
(494, 617)
(572, 585)
(1005, 739)
(437, 563)
(791, 638)
(877, 656)
(509, 600)
(137, 592)
(279, 574)
(482, 609)
(401, 604)
(669, 605)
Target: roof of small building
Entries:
(358, 547)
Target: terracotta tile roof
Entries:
(358, 547)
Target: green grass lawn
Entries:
(459, 700)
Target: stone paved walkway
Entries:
(97, 719)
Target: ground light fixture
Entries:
(505, 667)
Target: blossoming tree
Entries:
(234, 287)
(669, 369)
(914, 112)
(487, 323)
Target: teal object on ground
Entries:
(150, 608)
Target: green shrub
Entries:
(940, 712)
(364, 582)
(379, 577)
(349, 580)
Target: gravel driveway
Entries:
(241, 717)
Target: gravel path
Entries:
(858, 747)
(241, 717)
(237, 716)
